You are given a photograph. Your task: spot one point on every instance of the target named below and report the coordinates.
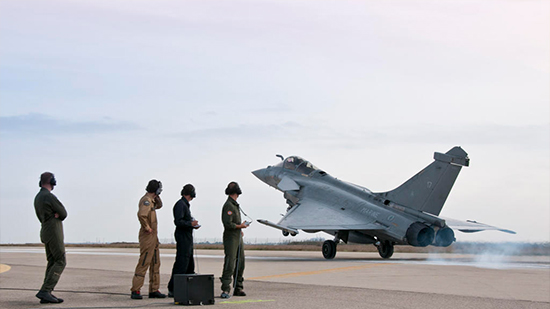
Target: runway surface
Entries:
(101, 278)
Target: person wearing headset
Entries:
(232, 242)
(185, 224)
(149, 257)
(50, 213)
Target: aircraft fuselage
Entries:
(349, 199)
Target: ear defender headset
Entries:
(233, 188)
(189, 189)
(159, 190)
(51, 181)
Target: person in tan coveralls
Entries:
(149, 257)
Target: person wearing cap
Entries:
(233, 265)
(149, 257)
(185, 224)
(50, 213)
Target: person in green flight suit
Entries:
(233, 265)
(50, 213)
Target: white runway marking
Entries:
(99, 252)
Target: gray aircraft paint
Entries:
(407, 215)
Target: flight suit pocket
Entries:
(144, 259)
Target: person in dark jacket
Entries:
(50, 213)
(185, 224)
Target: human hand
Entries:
(158, 202)
(243, 225)
(56, 215)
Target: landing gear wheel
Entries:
(292, 234)
(329, 249)
(285, 233)
(385, 249)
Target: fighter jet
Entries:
(407, 215)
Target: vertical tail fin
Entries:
(428, 190)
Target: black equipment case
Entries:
(194, 289)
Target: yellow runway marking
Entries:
(4, 268)
(316, 272)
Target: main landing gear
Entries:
(329, 249)
(385, 248)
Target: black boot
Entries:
(136, 295)
(156, 294)
(59, 299)
(239, 293)
(47, 298)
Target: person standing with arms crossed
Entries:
(50, 213)
(185, 224)
(232, 242)
(149, 257)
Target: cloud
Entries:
(242, 132)
(36, 124)
(532, 137)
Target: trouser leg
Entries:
(190, 269)
(182, 261)
(179, 269)
(55, 253)
(49, 258)
(145, 258)
(154, 271)
(190, 265)
(228, 267)
(230, 249)
(240, 268)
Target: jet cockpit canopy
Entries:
(298, 164)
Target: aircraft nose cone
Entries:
(260, 174)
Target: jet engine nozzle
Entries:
(444, 237)
(420, 235)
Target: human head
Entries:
(154, 186)
(188, 190)
(233, 188)
(47, 178)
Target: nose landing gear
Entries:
(286, 233)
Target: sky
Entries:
(110, 94)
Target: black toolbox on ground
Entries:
(194, 289)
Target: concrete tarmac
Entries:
(101, 278)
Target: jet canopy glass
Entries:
(298, 164)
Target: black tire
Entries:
(329, 249)
(385, 249)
